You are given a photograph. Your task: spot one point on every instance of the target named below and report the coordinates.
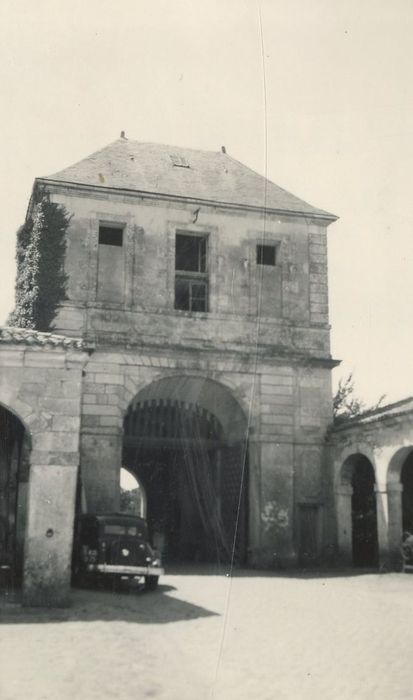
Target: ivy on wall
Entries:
(41, 280)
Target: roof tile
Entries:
(27, 336)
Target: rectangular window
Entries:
(110, 235)
(190, 253)
(190, 295)
(266, 255)
(191, 278)
(111, 264)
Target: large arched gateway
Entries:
(185, 438)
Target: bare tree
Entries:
(346, 404)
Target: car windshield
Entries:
(116, 529)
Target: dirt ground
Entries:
(210, 637)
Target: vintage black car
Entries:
(112, 547)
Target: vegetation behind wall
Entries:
(346, 404)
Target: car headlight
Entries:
(156, 562)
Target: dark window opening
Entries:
(191, 295)
(109, 235)
(266, 255)
(190, 253)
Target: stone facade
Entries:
(264, 338)
(251, 368)
(40, 384)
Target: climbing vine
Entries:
(41, 280)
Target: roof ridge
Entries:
(78, 162)
(169, 145)
(267, 179)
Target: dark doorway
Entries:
(407, 494)
(14, 472)
(364, 514)
(309, 520)
(194, 479)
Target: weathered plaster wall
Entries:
(42, 386)
(290, 299)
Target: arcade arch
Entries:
(357, 511)
(406, 479)
(185, 439)
(400, 498)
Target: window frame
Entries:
(260, 252)
(193, 277)
(111, 227)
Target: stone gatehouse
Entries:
(192, 349)
(203, 289)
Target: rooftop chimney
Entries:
(223, 149)
(122, 135)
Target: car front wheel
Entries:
(151, 582)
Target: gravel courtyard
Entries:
(203, 636)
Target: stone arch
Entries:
(185, 437)
(342, 462)
(356, 510)
(397, 461)
(135, 384)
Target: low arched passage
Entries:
(357, 512)
(400, 498)
(132, 494)
(15, 445)
(406, 479)
(185, 440)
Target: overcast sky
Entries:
(330, 117)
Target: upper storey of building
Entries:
(191, 248)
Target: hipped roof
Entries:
(182, 172)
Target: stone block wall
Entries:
(289, 298)
(40, 382)
(285, 446)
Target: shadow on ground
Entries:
(134, 605)
(308, 573)
(130, 605)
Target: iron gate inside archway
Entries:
(194, 479)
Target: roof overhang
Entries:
(324, 217)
